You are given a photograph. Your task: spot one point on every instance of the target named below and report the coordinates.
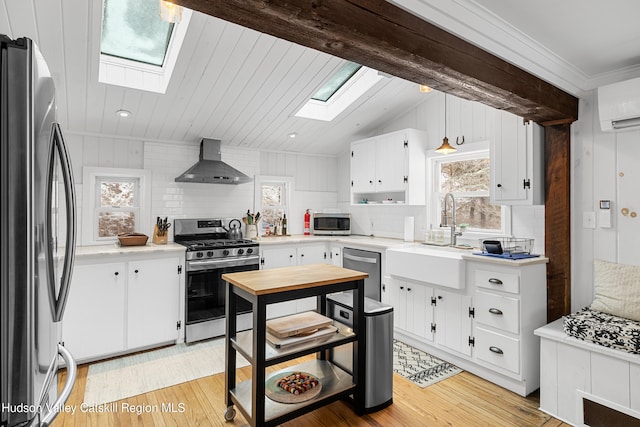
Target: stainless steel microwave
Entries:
(332, 224)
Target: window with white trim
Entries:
(466, 175)
(115, 201)
(272, 200)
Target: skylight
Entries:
(138, 49)
(336, 81)
(348, 84)
(132, 29)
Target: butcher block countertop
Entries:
(263, 282)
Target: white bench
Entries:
(572, 370)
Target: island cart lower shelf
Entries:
(264, 287)
(336, 384)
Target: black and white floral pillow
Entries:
(604, 329)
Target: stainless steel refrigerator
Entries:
(38, 218)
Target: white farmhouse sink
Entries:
(442, 266)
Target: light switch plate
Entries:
(604, 218)
(588, 220)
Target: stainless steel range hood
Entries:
(211, 169)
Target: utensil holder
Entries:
(252, 231)
(159, 239)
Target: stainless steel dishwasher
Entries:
(366, 262)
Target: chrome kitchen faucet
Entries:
(454, 233)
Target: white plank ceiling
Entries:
(243, 87)
(230, 83)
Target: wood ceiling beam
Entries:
(387, 38)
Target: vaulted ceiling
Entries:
(243, 87)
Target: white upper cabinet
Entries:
(517, 161)
(389, 168)
(363, 157)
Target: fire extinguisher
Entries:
(307, 223)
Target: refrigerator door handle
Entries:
(58, 147)
(72, 372)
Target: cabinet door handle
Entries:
(495, 281)
(116, 273)
(408, 289)
(379, 181)
(499, 186)
(496, 350)
(136, 271)
(401, 287)
(495, 311)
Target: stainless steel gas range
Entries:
(210, 254)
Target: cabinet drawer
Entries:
(499, 350)
(499, 281)
(498, 311)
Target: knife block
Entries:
(159, 239)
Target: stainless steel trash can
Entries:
(378, 328)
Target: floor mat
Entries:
(128, 376)
(419, 367)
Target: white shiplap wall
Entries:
(606, 166)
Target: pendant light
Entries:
(445, 148)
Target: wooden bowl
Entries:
(133, 239)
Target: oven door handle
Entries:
(226, 262)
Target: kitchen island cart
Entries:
(263, 287)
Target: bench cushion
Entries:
(604, 329)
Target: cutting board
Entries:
(284, 342)
(296, 324)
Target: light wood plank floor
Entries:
(462, 400)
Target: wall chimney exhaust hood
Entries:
(211, 169)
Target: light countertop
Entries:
(376, 242)
(116, 249)
(380, 243)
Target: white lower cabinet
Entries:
(286, 255)
(116, 307)
(94, 319)
(499, 350)
(152, 304)
(485, 328)
(336, 255)
(413, 309)
(453, 321)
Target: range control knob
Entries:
(225, 252)
(199, 254)
(249, 251)
(240, 251)
(209, 254)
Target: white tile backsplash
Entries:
(314, 177)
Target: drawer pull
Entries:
(495, 281)
(496, 350)
(495, 311)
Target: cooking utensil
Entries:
(235, 231)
